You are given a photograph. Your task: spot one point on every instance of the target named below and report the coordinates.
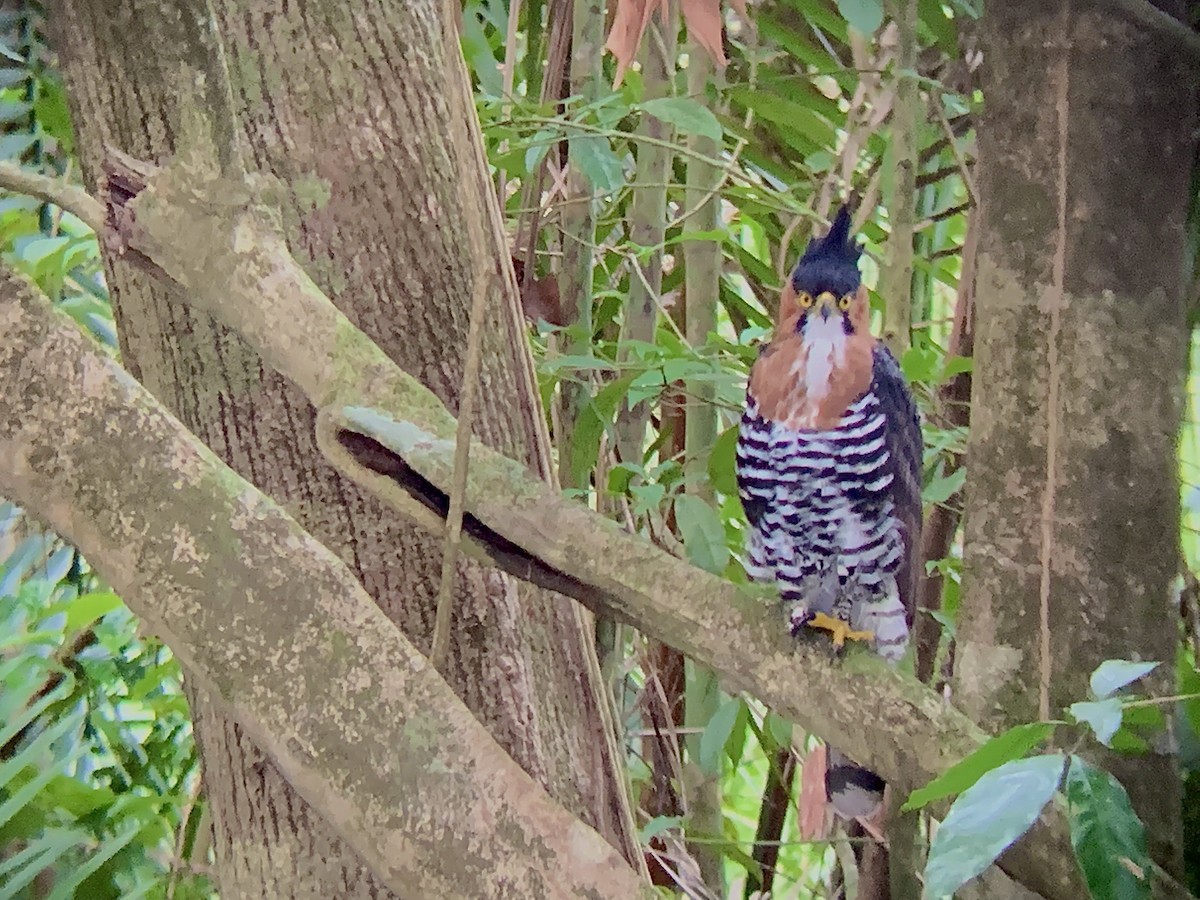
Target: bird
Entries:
(829, 465)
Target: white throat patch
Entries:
(825, 340)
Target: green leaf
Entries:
(595, 158)
(1188, 679)
(87, 608)
(646, 497)
(1113, 674)
(722, 459)
(1107, 836)
(686, 114)
(657, 826)
(1003, 748)
(919, 364)
(864, 15)
(702, 532)
(943, 487)
(988, 818)
(593, 421)
(578, 363)
(779, 728)
(957, 365)
(716, 735)
(1104, 716)
(536, 151)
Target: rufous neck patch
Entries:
(811, 394)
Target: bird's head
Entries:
(826, 292)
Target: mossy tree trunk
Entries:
(1072, 518)
(354, 112)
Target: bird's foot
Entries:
(840, 630)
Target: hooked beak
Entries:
(826, 303)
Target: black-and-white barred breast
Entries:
(823, 521)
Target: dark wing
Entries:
(903, 436)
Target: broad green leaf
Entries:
(686, 114)
(943, 487)
(986, 819)
(716, 735)
(1107, 836)
(578, 363)
(536, 151)
(37, 251)
(956, 365)
(657, 826)
(647, 497)
(702, 532)
(1003, 748)
(779, 728)
(864, 15)
(1104, 717)
(594, 419)
(736, 745)
(87, 608)
(597, 161)
(722, 460)
(919, 364)
(1113, 674)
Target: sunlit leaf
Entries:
(1108, 838)
(1113, 674)
(919, 364)
(986, 819)
(957, 365)
(1104, 717)
(1003, 748)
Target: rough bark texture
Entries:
(392, 759)
(1072, 517)
(402, 450)
(349, 107)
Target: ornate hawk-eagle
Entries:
(829, 474)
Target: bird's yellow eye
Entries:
(804, 299)
(844, 303)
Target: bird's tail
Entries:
(854, 792)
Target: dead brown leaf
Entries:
(540, 299)
(629, 24)
(706, 27)
(703, 18)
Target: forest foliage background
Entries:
(694, 175)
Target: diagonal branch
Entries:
(387, 431)
(272, 624)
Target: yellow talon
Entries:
(840, 630)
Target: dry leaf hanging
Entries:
(702, 17)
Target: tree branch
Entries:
(237, 268)
(272, 624)
(74, 200)
(389, 433)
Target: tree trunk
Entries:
(1072, 523)
(350, 109)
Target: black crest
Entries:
(831, 262)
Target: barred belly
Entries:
(823, 523)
